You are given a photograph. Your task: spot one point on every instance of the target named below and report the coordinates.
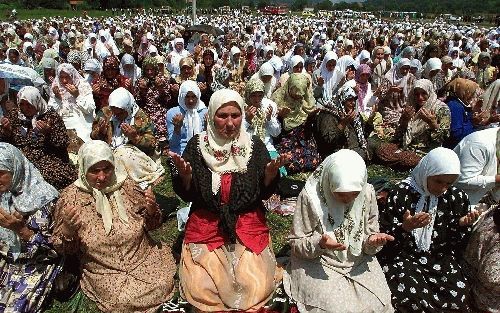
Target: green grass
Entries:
(168, 234)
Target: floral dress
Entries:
(302, 146)
(154, 101)
(26, 281)
(431, 281)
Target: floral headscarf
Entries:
(466, 90)
(221, 76)
(299, 85)
(259, 120)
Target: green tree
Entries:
(263, 3)
(298, 5)
(324, 5)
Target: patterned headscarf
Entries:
(221, 76)
(90, 153)
(28, 191)
(259, 120)
(299, 85)
(111, 63)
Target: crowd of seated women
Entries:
(80, 156)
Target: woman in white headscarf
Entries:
(432, 71)
(187, 119)
(129, 69)
(175, 56)
(334, 238)
(363, 57)
(327, 77)
(226, 174)
(429, 220)
(4, 94)
(393, 92)
(129, 132)
(71, 97)
(39, 132)
(296, 66)
(95, 48)
(28, 263)
(266, 75)
(104, 218)
(454, 53)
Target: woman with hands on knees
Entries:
(429, 219)
(227, 262)
(104, 218)
(187, 119)
(334, 239)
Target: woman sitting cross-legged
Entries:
(227, 262)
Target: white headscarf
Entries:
(267, 69)
(90, 153)
(224, 155)
(28, 192)
(342, 171)
(363, 55)
(33, 96)
(192, 118)
(431, 65)
(294, 61)
(439, 161)
(395, 77)
(331, 78)
(121, 98)
(133, 74)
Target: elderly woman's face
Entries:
(438, 184)
(269, 54)
(298, 68)
(433, 73)
(345, 197)
(149, 71)
(227, 120)
(330, 65)
(186, 71)
(100, 174)
(421, 96)
(5, 181)
(27, 109)
(49, 74)
(255, 98)
(363, 78)
(266, 78)
(482, 63)
(404, 70)
(179, 46)
(208, 60)
(13, 56)
(190, 100)
(120, 113)
(379, 54)
(65, 78)
(110, 72)
(349, 105)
